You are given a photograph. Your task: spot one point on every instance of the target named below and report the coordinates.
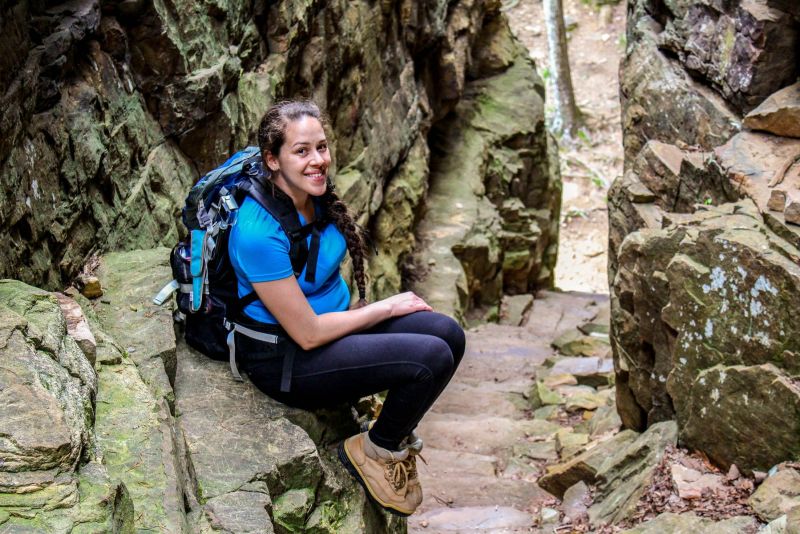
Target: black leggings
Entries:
(413, 357)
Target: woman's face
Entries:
(301, 166)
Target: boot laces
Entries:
(400, 472)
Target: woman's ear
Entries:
(272, 162)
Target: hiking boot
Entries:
(390, 477)
(412, 442)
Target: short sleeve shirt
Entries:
(259, 252)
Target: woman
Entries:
(397, 344)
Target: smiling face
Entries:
(301, 166)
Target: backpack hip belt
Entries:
(288, 355)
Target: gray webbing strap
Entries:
(165, 292)
(233, 328)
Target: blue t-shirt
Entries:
(259, 252)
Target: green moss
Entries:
(327, 518)
(290, 509)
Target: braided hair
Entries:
(271, 135)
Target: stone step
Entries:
(480, 434)
(472, 519)
(460, 398)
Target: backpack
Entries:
(207, 288)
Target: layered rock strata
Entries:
(112, 111)
(155, 437)
(704, 245)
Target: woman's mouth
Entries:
(316, 176)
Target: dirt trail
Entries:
(484, 445)
(596, 45)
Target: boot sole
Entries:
(353, 470)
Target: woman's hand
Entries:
(405, 303)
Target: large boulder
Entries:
(703, 245)
(158, 438)
(47, 407)
(701, 315)
(660, 100)
(744, 50)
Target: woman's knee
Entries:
(451, 332)
(435, 355)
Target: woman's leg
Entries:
(430, 323)
(413, 367)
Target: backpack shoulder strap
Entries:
(287, 217)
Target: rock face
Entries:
(489, 221)
(156, 437)
(113, 111)
(704, 257)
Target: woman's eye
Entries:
(323, 148)
(302, 151)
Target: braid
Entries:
(353, 234)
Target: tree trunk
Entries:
(565, 121)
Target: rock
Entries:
(585, 399)
(583, 467)
(548, 516)
(791, 214)
(47, 393)
(692, 484)
(700, 284)
(569, 442)
(541, 395)
(537, 450)
(773, 396)
(291, 508)
(573, 343)
(546, 412)
(472, 518)
(514, 309)
(240, 511)
(78, 327)
(753, 161)
(496, 231)
(779, 114)
(638, 193)
(576, 502)
(661, 101)
(777, 495)
(605, 420)
(776, 526)
(144, 330)
(689, 523)
(590, 371)
(777, 200)
(627, 472)
(553, 380)
(396, 219)
(746, 51)
(90, 287)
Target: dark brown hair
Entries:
(271, 135)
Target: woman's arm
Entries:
(284, 299)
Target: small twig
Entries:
(780, 174)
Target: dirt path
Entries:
(484, 443)
(596, 45)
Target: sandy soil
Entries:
(596, 45)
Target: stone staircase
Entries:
(483, 446)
